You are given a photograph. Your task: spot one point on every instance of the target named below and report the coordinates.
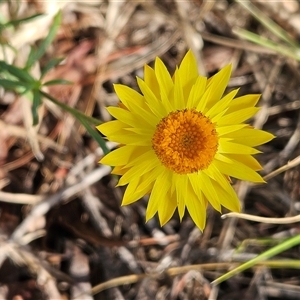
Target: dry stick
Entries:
(277, 109)
(87, 161)
(289, 165)
(4, 182)
(233, 43)
(20, 256)
(79, 270)
(171, 272)
(71, 179)
(28, 155)
(20, 132)
(287, 220)
(21, 198)
(43, 207)
(287, 150)
(130, 279)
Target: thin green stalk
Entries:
(294, 241)
(85, 120)
(268, 23)
(76, 113)
(252, 37)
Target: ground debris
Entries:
(63, 233)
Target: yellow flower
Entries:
(182, 140)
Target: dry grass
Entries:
(63, 234)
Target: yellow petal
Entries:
(247, 160)
(196, 209)
(122, 155)
(126, 137)
(142, 166)
(228, 197)
(152, 102)
(179, 101)
(166, 208)
(217, 85)
(142, 131)
(122, 115)
(251, 137)
(238, 116)
(224, 158)
(138, 107)
(214, 173)
(223, 130)
(111, 127)
(243, 102)
(195, 99)
(210, 192)
(129, 97)
(196, 183)
(222, 105)
(119, 170)
(226, 146)
(163, 78)
(180, 184)
(151, 80)
(139, 187)
(238, 170)
(147, 156)
(188, 73)
(160, 189)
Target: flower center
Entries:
(185, 141)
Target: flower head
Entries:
(182, 140)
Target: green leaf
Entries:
(37, 100)
(19, 21)
(94, 135)
(51, 64)
(17, 72)
(13, 85)
(31, 57)
(37, 54)
(57, 81)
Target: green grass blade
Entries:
(252, 37)
(20, 21)
(37, 54)
(37, 100)
(12, 85)
(57, 81)
(282, 264)
(285, 245)
(83, 119)
(16, 72)
(95, 135)
(268, 23)
(76, 113)
(51, 64)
